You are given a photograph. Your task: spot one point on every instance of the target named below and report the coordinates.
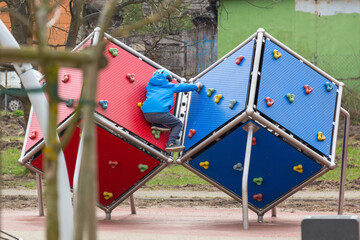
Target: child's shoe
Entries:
(160, 127)
(173, 147)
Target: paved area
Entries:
(170, 223)
(175, 223)
(142, 193)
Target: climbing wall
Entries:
(275, 168)
(123, 166)
(290, 92)
(223, 96)
(290, 95)
(122, 88)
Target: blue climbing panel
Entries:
(309, 113)
(231, 81)
(271, 159)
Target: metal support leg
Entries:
(132, 204)
(39, 192)
(108, 215)
(260, 218)
(273, 212)
(344, 160)
(250, 128)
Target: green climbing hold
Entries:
(258, 180)
(290, 97)
(143, 168)
(113, 51)
(156, 133)
(210, 91)
(232, 103)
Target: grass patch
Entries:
(9, 163)
(353, 163)
(176, 175)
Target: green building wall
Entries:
(331, 42)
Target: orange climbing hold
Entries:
(191, 133)
(258, 197)
(113, 164)
(130, 77)
(32, 135)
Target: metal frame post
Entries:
(250, 128)
(39, 192)
(344, 160)
(132, 204)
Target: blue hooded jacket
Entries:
(159, 94)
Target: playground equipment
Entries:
(263, 125)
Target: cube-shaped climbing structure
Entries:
(261, 108)
(293, 107)
(129, 152)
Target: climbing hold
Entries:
(232, 103)
(131, 77)
(66, 78)
(33, 134)
(108, 195)
(113, 51)
(156, 133)
(258, 197)
(308, 89)
(210, 91)
(254, 141)
(329, 86)
(205, 164)
(238, 167)
(276, 54)
(191, 133)
(199, 88)
(218, 98)
(239, 59)
(321, 137)
(69, 102)
(258, 180)
(113, 164)
(269, 101)
(140, 104)
(143, 168)
(104, 103)
(290, 97)
(298, 168)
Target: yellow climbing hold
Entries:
(320, 136)
(205, 164)
(107, 195)
(218, 98)
(298, 168)
(276, 54)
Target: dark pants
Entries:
(166, 119)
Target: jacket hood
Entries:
(158, 80)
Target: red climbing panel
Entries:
(124, 92)
(120, 166)
(70, 153)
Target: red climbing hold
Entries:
(254, 141)
(258, 197)
(308, 89)
(113, 164)
(239, 59)
(66, 78)
(269, 101)
(32, 135)
(131, 77)
(191, 133)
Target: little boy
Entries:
(159, 101)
